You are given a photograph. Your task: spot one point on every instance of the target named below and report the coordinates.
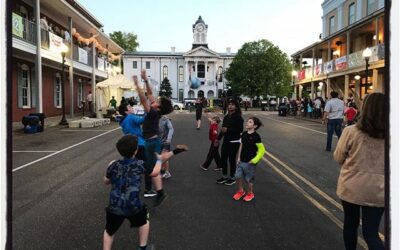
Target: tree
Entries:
(127, 41)
(165, 88)
(260, 68)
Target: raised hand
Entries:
(143, 75)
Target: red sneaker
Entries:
(238, 195)
(249, 197)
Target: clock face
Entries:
(200, 28)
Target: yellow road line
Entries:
(312, 186)
(318, 205)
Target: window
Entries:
(200, 71)
(331, 24)
(57, 91)
(180, 98)
(352, 13)
(219, 74)
(134, 64)
(147, 65)
(165, 72)
(181, 73)
(80, 92)
(25, 87)
(370, 6)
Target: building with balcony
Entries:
(206, 65)
(40, 29)
(336, 61)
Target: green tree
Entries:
(260, 68)
(127, 41)
(165, 88)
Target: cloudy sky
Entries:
(160, 25)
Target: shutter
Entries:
(19, 85)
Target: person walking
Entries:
(232, 127)
(361, 183)
(334, 110)
(199, 110)
(250, 153)
(213, 152)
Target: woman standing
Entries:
(361, 152)
(232, 127)
(199, 110)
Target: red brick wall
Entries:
(48, 76)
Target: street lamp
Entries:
(63, 50)
(366, 54)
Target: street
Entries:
(59, 196)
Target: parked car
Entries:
(177, 105)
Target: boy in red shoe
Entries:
(251, 151)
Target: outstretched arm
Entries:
(148, 88)
(140, 92)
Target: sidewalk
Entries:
(48, 122)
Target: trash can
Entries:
(31, 124)
(41, 117)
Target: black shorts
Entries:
(113, 221)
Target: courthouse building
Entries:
(349, 57)
(205, 64)
(41, 31)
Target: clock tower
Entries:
(199, 34)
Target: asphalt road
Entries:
(59, 197)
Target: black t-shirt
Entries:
(249, 148)
(150, 124)
(199, 107)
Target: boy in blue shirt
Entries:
(124, 175)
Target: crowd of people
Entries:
(145, 150)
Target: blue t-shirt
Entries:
(131, 125)
(125, 176)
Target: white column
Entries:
(374, 81)
(312, 91)
(3, 125)
(71, 70)
(94, 109)
(346, 86)
(196, 68)
(186, 79)
(39, 58)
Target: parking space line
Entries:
(312, 186)
(83, 130)
(62, 150)
(27, 151)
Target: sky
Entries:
(159, 24)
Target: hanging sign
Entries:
(17, 27)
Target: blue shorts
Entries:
(152, 146)
(246, 171)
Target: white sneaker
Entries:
(166, 175)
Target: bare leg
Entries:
(250, 185)
(144, 234)
(157, 182)
(239, 181)
(107, 241)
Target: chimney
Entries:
(228, 50)
(172, 50)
